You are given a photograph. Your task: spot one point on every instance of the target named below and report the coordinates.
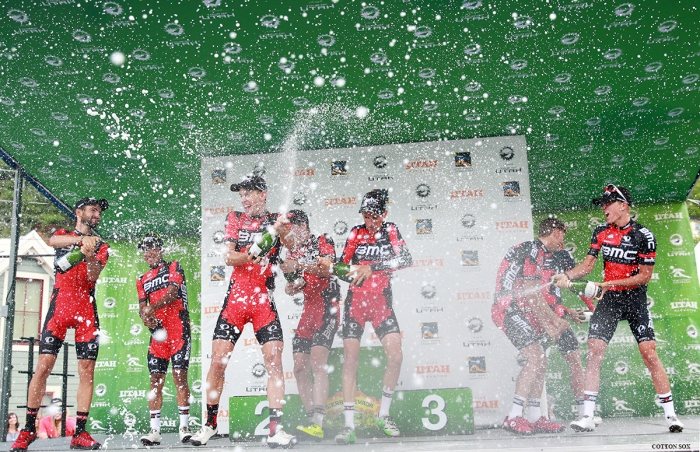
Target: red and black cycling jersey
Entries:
(74, 283)
(523, 262)
(153, 285)
(318, 290)
(384, 252)
(624, 250)
(244, 230)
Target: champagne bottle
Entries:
(70, 260)
(341, 270)
(264, 244)
(588, 289)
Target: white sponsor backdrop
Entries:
(458, 222)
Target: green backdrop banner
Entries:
(627, 388)
(120, 403)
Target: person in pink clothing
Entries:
(50, 426)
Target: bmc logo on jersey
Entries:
(245, 237)
(619, 253)
(156, 283)
(371, 251)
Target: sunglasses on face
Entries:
(611, 188)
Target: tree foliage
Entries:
(38, 213)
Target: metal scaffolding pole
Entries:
(8, 310)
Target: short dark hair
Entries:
(296, 216)
(549, 225)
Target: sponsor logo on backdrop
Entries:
(421, 165)
(621, 405)
(218, 176)
(101, 390)
(433, 370)
(621, 367)
(692, 403)
(476, 364)
(424, 226)
(105, 365)
(679, 275)
(475, 325)
(112, 280)
(467, 194)
(424, 207)
(380, 162)
(429, 309)
(340, 227)
(470, 297)
(301, 172)
(429, 333)
(668, 216)
(217, 273)
(129, 395)
(476, 343)
(468, 221)
(423, 190)
(684, 305)
(620, 339)
(506, 153)
(692, 331)
(483, 404)
(511, 190)
(210, 311)
(341, 201)
(428, 291)
(428, 262)
(300, 198)
(469, 258)
(512, 225)
(133, 364)
(463, 160)
(218, 237)
(676, 239)
(339, 168)
(218, 210)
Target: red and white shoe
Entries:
(518, 425)
(23, 441)
(84, 441)
(544, 425)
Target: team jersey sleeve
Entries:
(401, 258)
(532, 268)
(102, 255)
(231, 228)
(511, 269)
(326, 247)
(647, 247)
(595, 241)
(175, 274)
(350, 246)
(60, 232)
(139, 290)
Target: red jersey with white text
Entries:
(153, 285)
(245, 230)
(74, 284)
(624, 250)
(384, 252)
(523, 262)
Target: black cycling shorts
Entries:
(518, 329)
(630, 305)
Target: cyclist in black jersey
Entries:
(629, 253)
